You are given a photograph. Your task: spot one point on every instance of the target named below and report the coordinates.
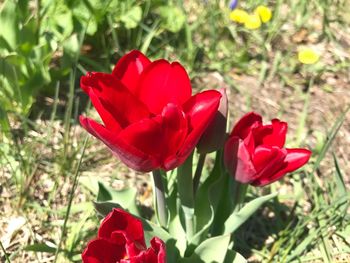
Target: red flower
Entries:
(120, 239)
(254, 152)
(150, 119)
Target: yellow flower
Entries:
(239, 16)
(264, 13)
(308, 56)
(252, 22)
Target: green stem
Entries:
(160, 202)
(4, 250)
(198, 173)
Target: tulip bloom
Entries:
(254, 152)
(151, 120)
(121, 239)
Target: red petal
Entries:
(119, 220)
(295, 159)
(267, 161)
(162, 83)
(101, 251)
(175, 131)
(131, 156)
(245, 124)
(112, 97)
(238, 161)
(108, 119)
(145, 135)
(273, 135)
(129, 68)
(160, 137)
(200, 110)
(156, 253)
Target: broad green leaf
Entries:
(236, 219)
(126, 198)
(173, 18)
(104, 208)
(185, 191)
(212, 250)
(208, 199)
(132, 18)
(234, 257)
(9, 23)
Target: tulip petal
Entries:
(130, 155)
(145, 135)
(114, 98)
(119, 220)
(267, 161)
(274, 134)
(294, 159)
(101, 251)
(156, 253)
(245, 124)
(160, 137)
(238, 161)
(200, 110)
(162, 83)
(174, 126)
(129, 68)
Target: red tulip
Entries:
(151, 121)
(121, 239)
(254, 152)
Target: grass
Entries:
(48, 181)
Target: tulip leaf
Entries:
(104, 208)
(211, 250)
(236, 219)
(125, 198)
(234, 257)
(185, 190)
(9, 24)
(207, 200)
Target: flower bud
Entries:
(214, 136)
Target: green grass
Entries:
(48, 171)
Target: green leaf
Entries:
(234, 257)
(236, 219)
(172, 18)
(9, 23)
(132, 18)
(40, 247)
(125, 198)
(104, 208)
(208, 198)
(185, 190)
(212, 250)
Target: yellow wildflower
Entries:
(308, 56)
(252, 22)
(239, 16)
(264, 13)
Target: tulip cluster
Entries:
(153, 122)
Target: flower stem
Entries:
(160, 202)
(198, 173)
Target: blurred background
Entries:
(289, 60)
